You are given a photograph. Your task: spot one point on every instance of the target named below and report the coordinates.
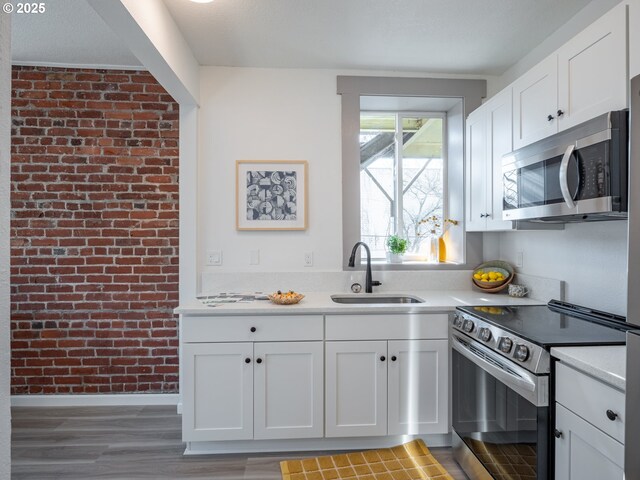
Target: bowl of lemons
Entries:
(493, 276)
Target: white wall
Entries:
(5, 163)
(590, 257)
(270, 114)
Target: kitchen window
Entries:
(402, 178)
(414, 169)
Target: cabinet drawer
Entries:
(197, 329)
(387, 327)
(590, 399)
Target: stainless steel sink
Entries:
(375, 299)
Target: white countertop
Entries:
(321, 303)
(606, 363)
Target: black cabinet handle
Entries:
(259, 360)
(557, 433)
(247, 360)
(611, 415)
(560, 113)
(394, 358)
(550, 117)
(253, 329)
(383, 358)
(482, 215)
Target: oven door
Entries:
(500, 414)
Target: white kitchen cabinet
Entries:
(288, 390)
(418, 386)
(386, 374)
(252, 377)
(583, 452)
(535, 102)
(489, 137)
(589, 427)
(218, 391)
(356, 388)
(476, 171)
(243, 391)
(586, 77)
(592, 70)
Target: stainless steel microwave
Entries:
(576, 175)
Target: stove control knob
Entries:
(505, 344)
(485, 334)
(522, 353)
(468, 326)
(458, 320)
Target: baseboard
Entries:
(94, 400)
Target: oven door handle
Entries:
(531, 387)
(564, 177)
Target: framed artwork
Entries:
(271, 195)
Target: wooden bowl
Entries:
(288, 298)
(494, 287)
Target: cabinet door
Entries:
(418, 387)
(356, 388)
(535, 97)
(592, 70)
(583, 452)
(476, 171)
(499, 142)
(218, 391)
(288, 383)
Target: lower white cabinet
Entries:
(356, 389)
(583, 452)
(243, 391)
(418, 387)
(399, 387)
(218, 391)
(589, 428)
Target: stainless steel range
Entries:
(502, 375)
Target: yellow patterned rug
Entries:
(411, 461)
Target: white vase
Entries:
(394, 257)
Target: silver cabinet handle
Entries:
(564, 178)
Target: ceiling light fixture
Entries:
(202, 1)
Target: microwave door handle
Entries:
(564, 177)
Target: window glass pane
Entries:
(422, 175)
(377, 170)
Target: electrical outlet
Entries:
(214, 257)
(308, 259)
(254, 257)
(519, 259)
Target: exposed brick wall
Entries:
(94, 232)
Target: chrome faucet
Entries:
(368, 282)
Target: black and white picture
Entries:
(271, 195)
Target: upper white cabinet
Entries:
(586, 77)
(489, 137)
(535, 102)
(592, 70)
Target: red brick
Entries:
(90, 278)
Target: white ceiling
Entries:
(69, 33)
(453, 36)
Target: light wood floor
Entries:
(118, 443)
